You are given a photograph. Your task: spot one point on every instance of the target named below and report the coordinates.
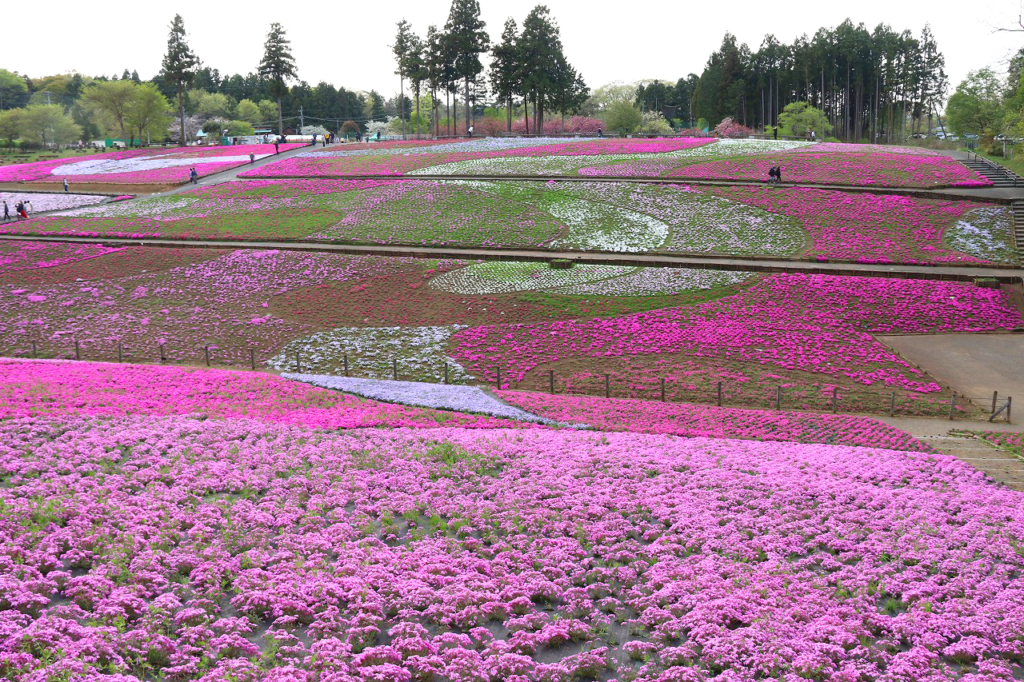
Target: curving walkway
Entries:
(934, 272)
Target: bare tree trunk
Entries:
(181, 116)
(469, 110)
(401, 102)
(280, 117)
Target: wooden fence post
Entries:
(551, 381)
(952, 406)
(835, 399)
(346, 364)
(995, 397)
(778, 397)
(607, 387)
(298, 363)
(34, 352)
(719, 400)
(78, 354)
(663, 389)
(120, 352)
(207, 349)
(394, 368)
(446, 372)
(499, 378)
(163, 358)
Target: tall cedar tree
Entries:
(505, 68)
(416, 71)
(277, 67)
(401, 48)
(179, 67)
(541, 48)
(468, 41)
(434, 71)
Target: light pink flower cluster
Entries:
(62, 388)
(186, 549)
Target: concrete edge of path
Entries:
(734, 264)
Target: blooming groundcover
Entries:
(812, 333)
(1011, 442)
(147, 166)
(644, 416)
(34, 388)
(235, 548)
(608, 216)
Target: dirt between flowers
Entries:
(144, 305)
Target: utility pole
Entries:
(302, 121)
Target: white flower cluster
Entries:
(419, 351)
(655, 281)
(439, 396)
(142, 163)
(986, 233)
(505, 277)
(44, 201)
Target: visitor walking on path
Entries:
(775, 132)
(28, 207)
(252, 158)
(778, 174)
(276, 144)
(20, 209)
(7, 212)
(65, 184)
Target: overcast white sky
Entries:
(605, 42)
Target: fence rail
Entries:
(764, 395)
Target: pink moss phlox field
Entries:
(644, 416)
(814, 323)
(1012, 442)
(153, 165)
(269, 200)
(317, 166)
(867, 228)
(878, 168)
(182, 549)
(21, 255)
(62, 388)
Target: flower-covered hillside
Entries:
(185, 548)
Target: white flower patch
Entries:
(740, 147)
(108, 166)
(606, 228)
(483, 144)
(418, 394)
(44, 201)
(504, 277)
(656, 281)
(419, 351)
(159, 208)
(986, 233)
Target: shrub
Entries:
(730, 128)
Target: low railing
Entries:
(771, 395)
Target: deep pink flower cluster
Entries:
(614, 414)
(38, 170)
(868, 228)
(182, 548)
(62, 388)
(878, 168)
(813, 323)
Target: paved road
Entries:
(971, 364)
(938, 272)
